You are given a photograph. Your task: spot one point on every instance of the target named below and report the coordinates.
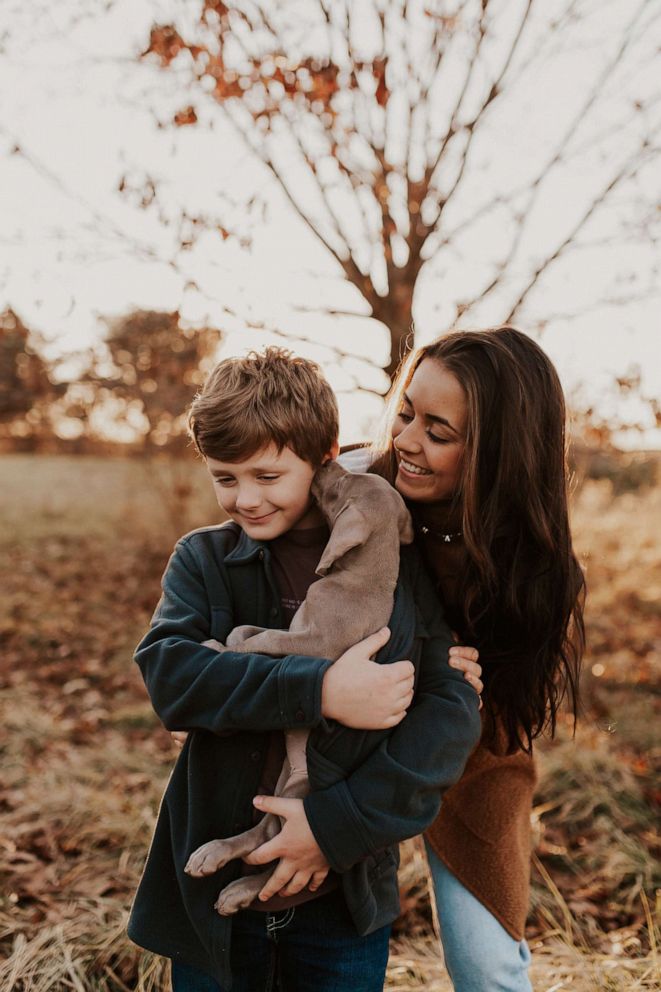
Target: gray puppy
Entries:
(353, 599)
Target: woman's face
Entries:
(429, 434)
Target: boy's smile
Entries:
(268, 493)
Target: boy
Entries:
(264, 424)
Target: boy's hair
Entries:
(270, 397)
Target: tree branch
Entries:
(347, 264)
(141, 249)
(471, 126)
(556, 158)
(628, 171)
(289, 336)
(452, 126)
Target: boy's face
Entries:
(268, 494)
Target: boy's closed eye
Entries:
(229, 480)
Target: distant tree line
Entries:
(129, 393)
(131, 389)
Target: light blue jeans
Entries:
(480, 955)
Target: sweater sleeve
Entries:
(396, 793)
(192, 686)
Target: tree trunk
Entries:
(395, 312)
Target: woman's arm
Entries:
(396, 792)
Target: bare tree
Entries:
(26, 388)
(377, 120)
(144, 375)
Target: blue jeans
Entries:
(480, 955)
(313, 947)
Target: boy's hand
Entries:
(466, 660)
(363, 695)
(302, 862)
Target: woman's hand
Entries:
(302, 862)
(363, 695)
(466, 660)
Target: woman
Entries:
(476, 445)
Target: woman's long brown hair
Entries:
(523, 589)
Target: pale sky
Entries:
(77, 101)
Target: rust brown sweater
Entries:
(482, 833)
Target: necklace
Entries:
(447, 538)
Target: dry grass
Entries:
(75, 825)
(43, 495)
(557, 967)
(83, 762)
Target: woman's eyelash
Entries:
(408, 417)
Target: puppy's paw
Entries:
(237, 895)
(208, 859)
(239, 635)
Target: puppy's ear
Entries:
(404, 523)
(326, 485)
(350, 530)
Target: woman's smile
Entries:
(410, 469)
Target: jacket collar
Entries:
(246, 549)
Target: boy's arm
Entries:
(192, 686)
(396, 793)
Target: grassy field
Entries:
(82, 545)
